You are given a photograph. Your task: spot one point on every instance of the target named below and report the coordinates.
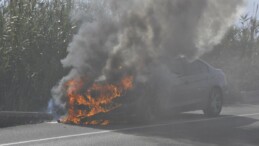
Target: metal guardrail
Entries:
(250, 96)
(22, 113)
(11, 118)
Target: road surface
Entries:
(238, 126)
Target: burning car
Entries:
(164, 88)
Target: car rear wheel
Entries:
(214, 104)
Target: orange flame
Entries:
(101, 102)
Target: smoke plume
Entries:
(138, 37)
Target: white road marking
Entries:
(125, 129)
(53, 122)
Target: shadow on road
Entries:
(225, 130)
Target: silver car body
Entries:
(191, 87)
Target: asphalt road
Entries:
(238, 126)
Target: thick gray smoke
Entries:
(136, 36)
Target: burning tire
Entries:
(215, 102)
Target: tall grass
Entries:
(34, 36)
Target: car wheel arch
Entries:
(207, 110)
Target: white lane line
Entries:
(125, 129)
(52, 122)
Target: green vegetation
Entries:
(238, 54)
(34, 36)
(33, 39)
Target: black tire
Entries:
(214, 104)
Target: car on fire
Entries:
(191, 86)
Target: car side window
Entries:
(195, 68)
(204, 67)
